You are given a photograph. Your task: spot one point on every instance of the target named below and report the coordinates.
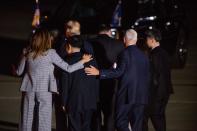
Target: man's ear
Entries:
(68, 48)
(124, 39)
(153, 40)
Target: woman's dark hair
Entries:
(75, 41)
(153, 33)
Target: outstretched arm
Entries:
(109, 73)
(69, 68)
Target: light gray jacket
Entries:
(39, 73)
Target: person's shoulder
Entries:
(161, 52)
(51, 52)
(124, 53)
(135, 51)
(87, 43)
(97, 37)
(158, 49)
(118, 42)
(104, 37)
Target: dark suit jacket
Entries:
(161, 85)
(61, 50)
(133, 70)
(106, 50)
(79, 91)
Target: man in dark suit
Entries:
(106, 50)
(79, 91)
(72, 28)
(132, 94)
(161, 86)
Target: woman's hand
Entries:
(86, 58)
(25, 51)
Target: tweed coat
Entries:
(39, 72)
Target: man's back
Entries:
(161, 72)
(106, 50)
(133, 71)
(80, 92)
(135, 79)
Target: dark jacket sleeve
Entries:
(157, 69)
(117, 72)
(87, 48)
(161, 75)
(64, 82)
(61, 50)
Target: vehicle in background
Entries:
(170, 18)
(166, 15)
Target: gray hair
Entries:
(131, 34)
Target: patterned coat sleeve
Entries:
(63, 65)
(21, 66)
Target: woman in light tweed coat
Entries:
(39, 82)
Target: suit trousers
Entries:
(107, 103)
(130, 113)
(80, 121)
(42, 103)
(60, 116)
(156, 112)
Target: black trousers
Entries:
(107, 103)
(130, 113)
(156, 113)
(96, 119)
(60, 116)
(80, 121)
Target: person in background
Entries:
(72, 28)
(39, 82)
(106, 51)
(161, 85)
(133, 73)
(79, 91)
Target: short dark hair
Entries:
(104, 27)
(75, 41)
(153, 33)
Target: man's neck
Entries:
(131, 44)
(156, 45)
